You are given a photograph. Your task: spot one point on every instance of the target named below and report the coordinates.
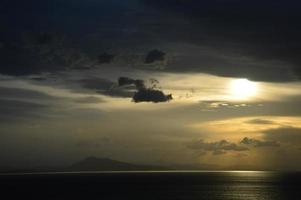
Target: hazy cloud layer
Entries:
(89, 100)
(288, 135)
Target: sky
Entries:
(212, 84)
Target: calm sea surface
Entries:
(230, 185)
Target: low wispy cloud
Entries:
(225, 146)
(89, 100)
(260, 121)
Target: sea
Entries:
(163, 185)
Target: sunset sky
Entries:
(82, 78)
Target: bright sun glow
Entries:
(243, 88)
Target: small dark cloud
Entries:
(151, 95)
(259, 143)
(154, 56)
(217, 148)
(260, 121)
(143, 93)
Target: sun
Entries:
(243, 88)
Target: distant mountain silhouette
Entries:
(106, 164)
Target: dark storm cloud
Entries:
(259, 143)
(252, 39)
(269, 37)
(143, 93)
(217, 148)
